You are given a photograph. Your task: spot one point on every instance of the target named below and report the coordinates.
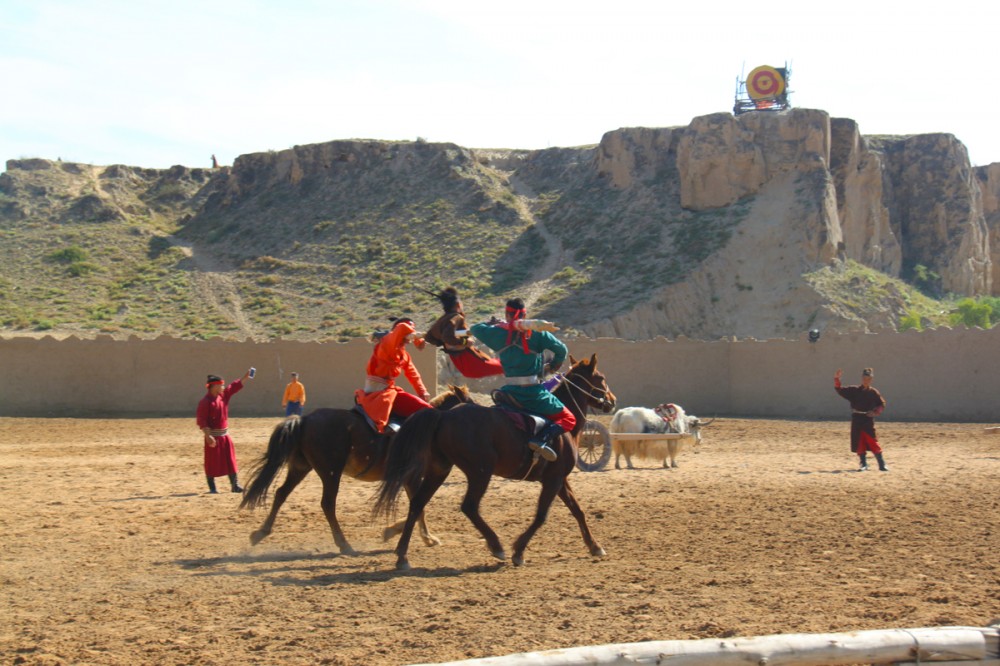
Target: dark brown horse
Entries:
(333, 442)
(483, 442)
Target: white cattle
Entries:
(667, 418)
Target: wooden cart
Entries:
(596, 441)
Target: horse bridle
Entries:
(589, 392)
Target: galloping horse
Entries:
(332, 442)
(482, 442)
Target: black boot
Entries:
(864, 463)
(881, 463)
(211, 485)
(540, 442)
(235, 483)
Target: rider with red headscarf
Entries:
(380, 396)
(519, 343)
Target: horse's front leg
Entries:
(297, 470)
(550, 487)
(331, 486)
(569, 499)
(477, 485)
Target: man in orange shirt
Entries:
(380, 396)
(295, 396)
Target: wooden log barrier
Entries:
(942, 645)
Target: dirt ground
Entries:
(113, 553)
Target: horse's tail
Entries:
(284, 440)
(409, 455)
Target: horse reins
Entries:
(589, 392)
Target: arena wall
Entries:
(940, 375)
(166, 377)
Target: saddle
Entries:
(512, 409)
(391, 428)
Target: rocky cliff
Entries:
(816, 193)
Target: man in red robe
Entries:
(213, 421)
(866, 404)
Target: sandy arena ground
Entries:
(114, 554)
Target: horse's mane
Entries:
(577, 368)
(460, 392)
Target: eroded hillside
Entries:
(752, 226)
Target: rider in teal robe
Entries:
(520, 352)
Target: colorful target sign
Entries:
(765, 82)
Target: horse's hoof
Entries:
(257, 537)
(598, 552)
(402, 565)
(518, 560)
(500, 555)
(432, 541)
(347, 550)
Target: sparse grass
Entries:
(333, 257)
(69, 255)
(864, 291)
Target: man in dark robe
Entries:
(866, 404)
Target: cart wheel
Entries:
(595, 447)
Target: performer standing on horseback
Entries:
(381, 397)
(449, 333)
(213, 421)
(519, 343)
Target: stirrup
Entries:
(544, 450)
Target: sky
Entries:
(155, 83)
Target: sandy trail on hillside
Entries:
(114, 554)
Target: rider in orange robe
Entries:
(380, 396)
